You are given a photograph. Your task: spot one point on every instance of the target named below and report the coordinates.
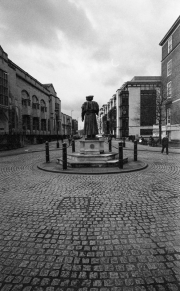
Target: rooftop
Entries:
(173, 27)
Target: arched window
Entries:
(35, 102)
(25, 98)
(43, 106)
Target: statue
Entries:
(89, 110)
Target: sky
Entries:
(86, 47)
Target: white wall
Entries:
(134, 111)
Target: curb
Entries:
(84, 170)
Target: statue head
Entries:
(89, 98)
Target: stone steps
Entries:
(94, 164)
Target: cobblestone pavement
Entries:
(79, 232)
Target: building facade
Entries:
(107, 117)
(136, 106)
(66, 124)
(170, 70)
(28, 108)
(74, 127)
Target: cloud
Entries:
(45, 22)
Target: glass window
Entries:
(3, 88)
(169, 90)
(169, 68)
(168, 116)
(43, 106)
(170, 44)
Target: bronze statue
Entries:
(89, 110)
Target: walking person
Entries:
(165, 143)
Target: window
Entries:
(3, 88)
(35, 123)
(43, 106)
(170, 44)
(26, 122)
(169, 90)
(35, 103)
(169, 68)
(148, 107)
(25, 98)
(168, 112)
(43, 124)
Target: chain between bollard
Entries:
(135, 150)
(64, 156)
(120, 155)
(47, 151)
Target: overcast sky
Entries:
(86, 47)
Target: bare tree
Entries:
(161, 97)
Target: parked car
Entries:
(99, 135)
(143, 140)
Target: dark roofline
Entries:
(140, 83)
(173, 27)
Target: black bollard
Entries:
(135, 150)
(124, 144)
(73, 146)
(110, 145)
(64, 156)
(47, 151)
(120, 155)
(57, 144)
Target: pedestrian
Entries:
(165, 143)
(109, 138)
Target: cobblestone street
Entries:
(85, 232)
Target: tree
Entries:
(161, 98)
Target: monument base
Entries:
(92, 155)
(91, 146)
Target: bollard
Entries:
(124, 144)
(64, 156)
(47, 151)
(57, 144)
(135, 150)
(110, 145)
(120, 155)
(73, 146)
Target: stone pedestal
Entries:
(92, 155)
(91, 147)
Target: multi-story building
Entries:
(107, 117)
(74, 126)
(170, 70)
(66, 124)
(28, 109)
(26, 106)
(136, 107)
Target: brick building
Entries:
(170, 70)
